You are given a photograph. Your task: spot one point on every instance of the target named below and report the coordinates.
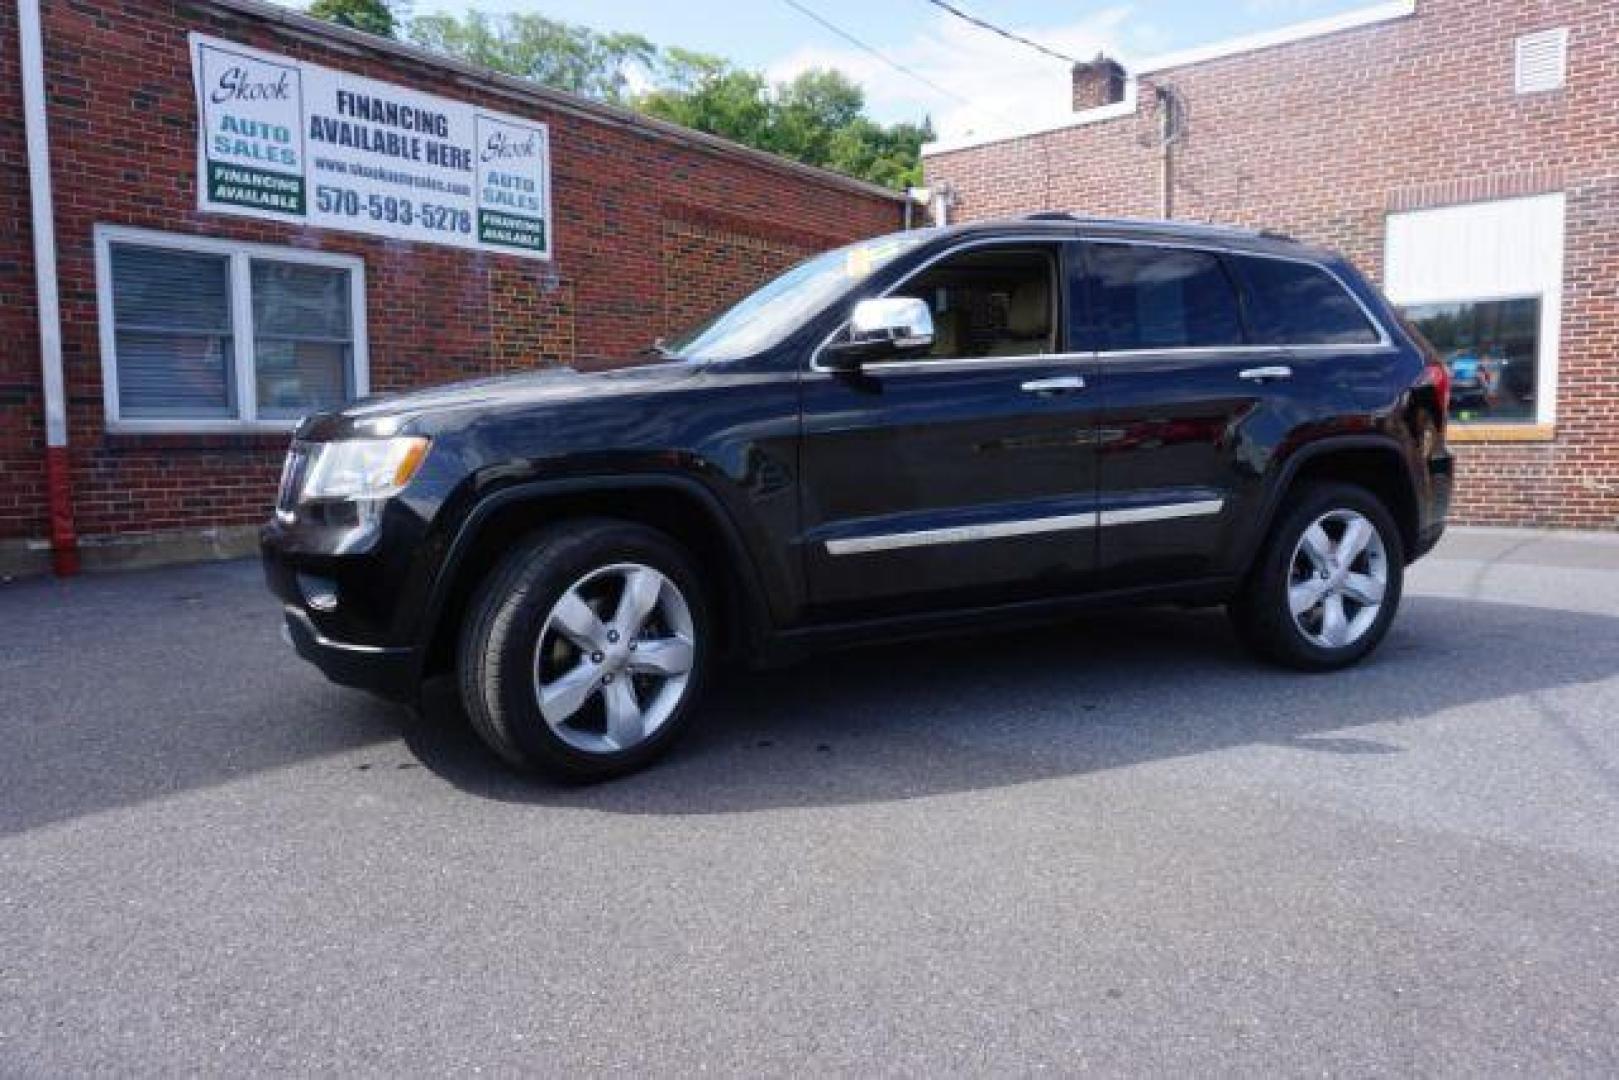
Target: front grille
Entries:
(292, 477)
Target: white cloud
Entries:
(994, 83)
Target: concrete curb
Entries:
(29, 558)
(1587, 536)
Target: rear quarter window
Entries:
(1150, 298)
(1294, 303)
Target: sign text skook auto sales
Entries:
(291, 141)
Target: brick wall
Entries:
(123, 142)
(1322, 138)
(712, 260)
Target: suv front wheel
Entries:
(1327, 584)
(585, 649)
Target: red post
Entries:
(59, 491)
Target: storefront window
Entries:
(1492, 348)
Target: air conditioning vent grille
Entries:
(1542, 61)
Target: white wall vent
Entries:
(1542, 61)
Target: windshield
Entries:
(781, 306)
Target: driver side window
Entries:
(990, 302)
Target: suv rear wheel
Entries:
(584, 651)
(1328, 582)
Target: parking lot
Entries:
(1115, 845)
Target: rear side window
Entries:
(1295, 303)
(1162, 298)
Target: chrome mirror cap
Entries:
(900, 323)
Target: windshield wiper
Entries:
(658, 349)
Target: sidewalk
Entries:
(1544, 568)
(1557, 547)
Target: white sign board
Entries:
(289, 141)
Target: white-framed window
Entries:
(1484, 283)
(203, 334)
(1540, 61)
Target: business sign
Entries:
(290, 141)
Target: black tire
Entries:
(1261, 611)
(507, 616)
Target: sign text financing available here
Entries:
(291, 141)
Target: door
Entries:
(1191, 407)
(967, 474)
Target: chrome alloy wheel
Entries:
(614, 658)
(1337, 579)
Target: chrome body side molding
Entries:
(1000, 530)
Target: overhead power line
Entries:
(983, 24)
(873, 50)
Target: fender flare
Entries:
(1303, 456)
(752, 605)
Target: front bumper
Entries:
(339, 603)
(386, 670)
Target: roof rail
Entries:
(1149, 223)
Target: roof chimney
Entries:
(1098, 83)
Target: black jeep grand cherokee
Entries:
(928, 430)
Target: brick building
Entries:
(1463, 152)
(360, 245)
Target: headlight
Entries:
(362, 468)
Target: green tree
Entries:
(817, 118)
(704, 92)
(811, 110)
(891, 156)
(381, 17)
(558, 54)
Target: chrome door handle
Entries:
(1056, 385)
(1261, 374)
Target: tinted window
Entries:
(989, 302)
(1162, 298)
(1298, 304)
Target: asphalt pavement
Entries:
(1116, 845)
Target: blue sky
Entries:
(992, 83)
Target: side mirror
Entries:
(887, 326)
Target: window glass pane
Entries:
(1162, 298)
(298, 377)
(301, 301)
(1298, 304)
(302, 338)
(1492, 348)
(989, 302)
(172, 333)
